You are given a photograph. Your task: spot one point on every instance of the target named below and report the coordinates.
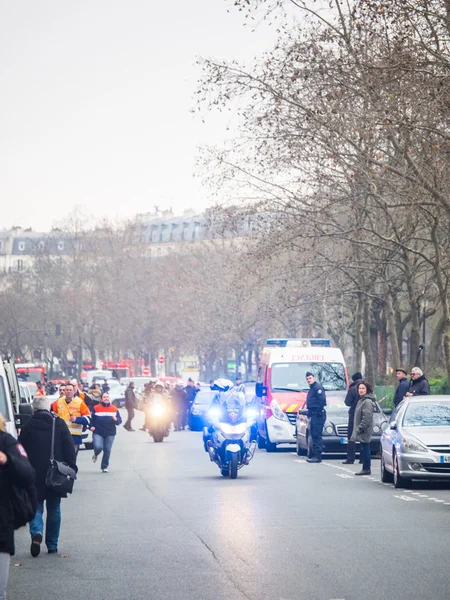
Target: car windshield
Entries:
(204, 397)
(292, 376)
(427, 414)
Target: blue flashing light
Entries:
(319, 342)
(280, 343)
(302, 342)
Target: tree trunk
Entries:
(367, 347)
(357, 345)
(390, 318)
(435, 345)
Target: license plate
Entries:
(343, 440)
(445, 459)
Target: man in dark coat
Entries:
(403, 386)
(130, 405)
(351, 400)
(419, 385)
(315, 403)
(36, 438)
(15, 469)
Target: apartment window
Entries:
(60, 246)
(158, 252)
(20, 265)
(21, 246)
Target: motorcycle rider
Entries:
(159, 394)
(315, 403)
(220, 386)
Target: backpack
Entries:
(23, 501)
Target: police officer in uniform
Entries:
(315, 403)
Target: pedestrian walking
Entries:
(402, 387)
(315, 403)
(74, 412)
(104, 422)
(36, 438)
(363, 424)
(351, 400)
(419, 385)
(130, 405)
(15, 470)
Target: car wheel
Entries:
(300, 451)
(399, 481)
(270, 447)
(386, 477)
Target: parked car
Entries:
(198, 414)
(25, 393)
(335, 431)
(416, 443)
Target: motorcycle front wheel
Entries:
(234, 462)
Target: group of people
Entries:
(360, 399)
(179, 398)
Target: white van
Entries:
(8, 403)
(282, 388)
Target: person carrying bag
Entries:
(18, 498)
(51, 451)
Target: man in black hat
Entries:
(315, 403)
(403, 385)
(351, 400)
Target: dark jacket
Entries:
(17, 471)
(191, 392)
(316, 399)
(351, 399)
(179, 399)
(130, 398)
(419, 387)
(102, 419)
(363, 423)
(36, 438)
(400, 392)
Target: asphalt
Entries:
(163, 524)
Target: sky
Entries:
(96, 104)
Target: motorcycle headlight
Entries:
(214, 413)
(277, 412)
(158, 410)
(233, 429)
(252, 414)
(328, 430)
(412, 445)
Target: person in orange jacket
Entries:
(73, 410)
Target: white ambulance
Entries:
(282, 388)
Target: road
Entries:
(163, 524)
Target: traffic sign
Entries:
(146, 371)
(161, 360)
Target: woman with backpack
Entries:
(15, 471)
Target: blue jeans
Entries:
(103, 444)
(365, 455)
(53, 524)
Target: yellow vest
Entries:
(66, 410)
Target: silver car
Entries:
(416, 444)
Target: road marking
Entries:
(343, 475)
(437, 500)
(406, 498)
(300, 461)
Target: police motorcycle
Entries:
(228, 438)
(158, 414)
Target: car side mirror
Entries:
(260, 390)
(393, 425)
(303, 411)
(387, 411)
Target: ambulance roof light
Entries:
(298, 342)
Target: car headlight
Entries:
(384, 425)
(412, 445)
(277, 412)
(233, 429)
(376, 429)
(328, 430)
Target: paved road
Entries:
(163, 524)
